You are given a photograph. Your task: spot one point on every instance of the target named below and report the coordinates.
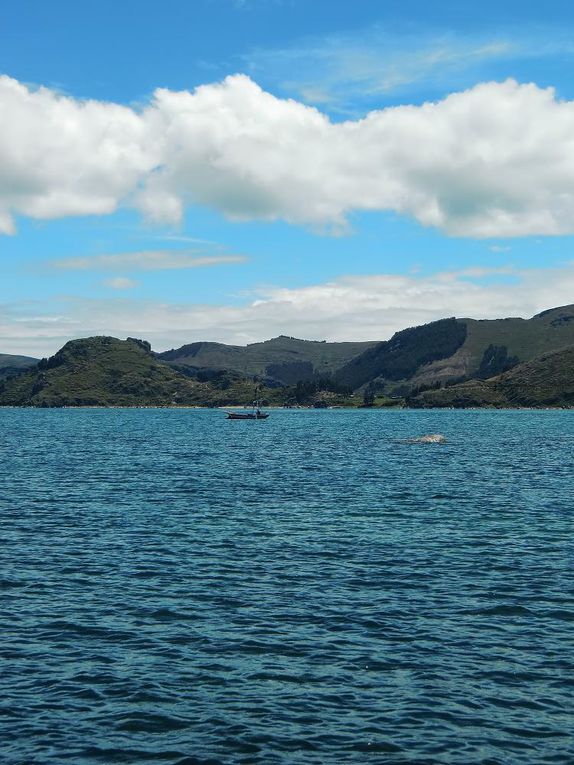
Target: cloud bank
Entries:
(351, 308)
(146, 260)
(496, 160)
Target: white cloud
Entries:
(146, 260)
(493, 161)
(345, 69)
(60, 156)
(499, 248)
(350, 308)
(120, 283)
(188, 239)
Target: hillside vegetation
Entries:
(494, 345)
(12, 365)
(105, 371)
(400, 357)
(282, 360)
(450, 362)
(545, 381)
(451, 350)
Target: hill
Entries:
(12, 365)
(400, 358)
(455, 349)
(458, 354)
(282, 360)
(105, 371)
(544, 381)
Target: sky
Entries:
(232, 170)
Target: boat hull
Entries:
(234, 416)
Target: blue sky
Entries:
(269, 202)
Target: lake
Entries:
(180, 588)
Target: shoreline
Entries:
(307, 408)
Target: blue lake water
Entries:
(179, 588)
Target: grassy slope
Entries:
(394, 361)
(10, 365)
(114, 375)
(255, 359)
(547, 380)
(104, 371)
(8, 360)
(524, 338)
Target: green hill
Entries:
(455, 349)
(455, 355)
(12, 365)
(284, 360)
(104, 371)
(547, 380)
(402, 356)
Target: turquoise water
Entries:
(180, 588)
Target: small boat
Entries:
(254, 414)
(257, 414)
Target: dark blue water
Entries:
(179, 588)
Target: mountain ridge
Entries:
(506, 341)
(545, 381)
(105, 371)
(458, 355)
(281, 360)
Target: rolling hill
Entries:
(455, 349)
(104, 371)
(460, 357)
(282, 360)
(546, 381)
(12, 365)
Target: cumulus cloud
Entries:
(146, 260)
(496, 160)
(60, 156)
(350, 308)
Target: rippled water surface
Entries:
(179, 588)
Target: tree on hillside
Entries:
(369, 396)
